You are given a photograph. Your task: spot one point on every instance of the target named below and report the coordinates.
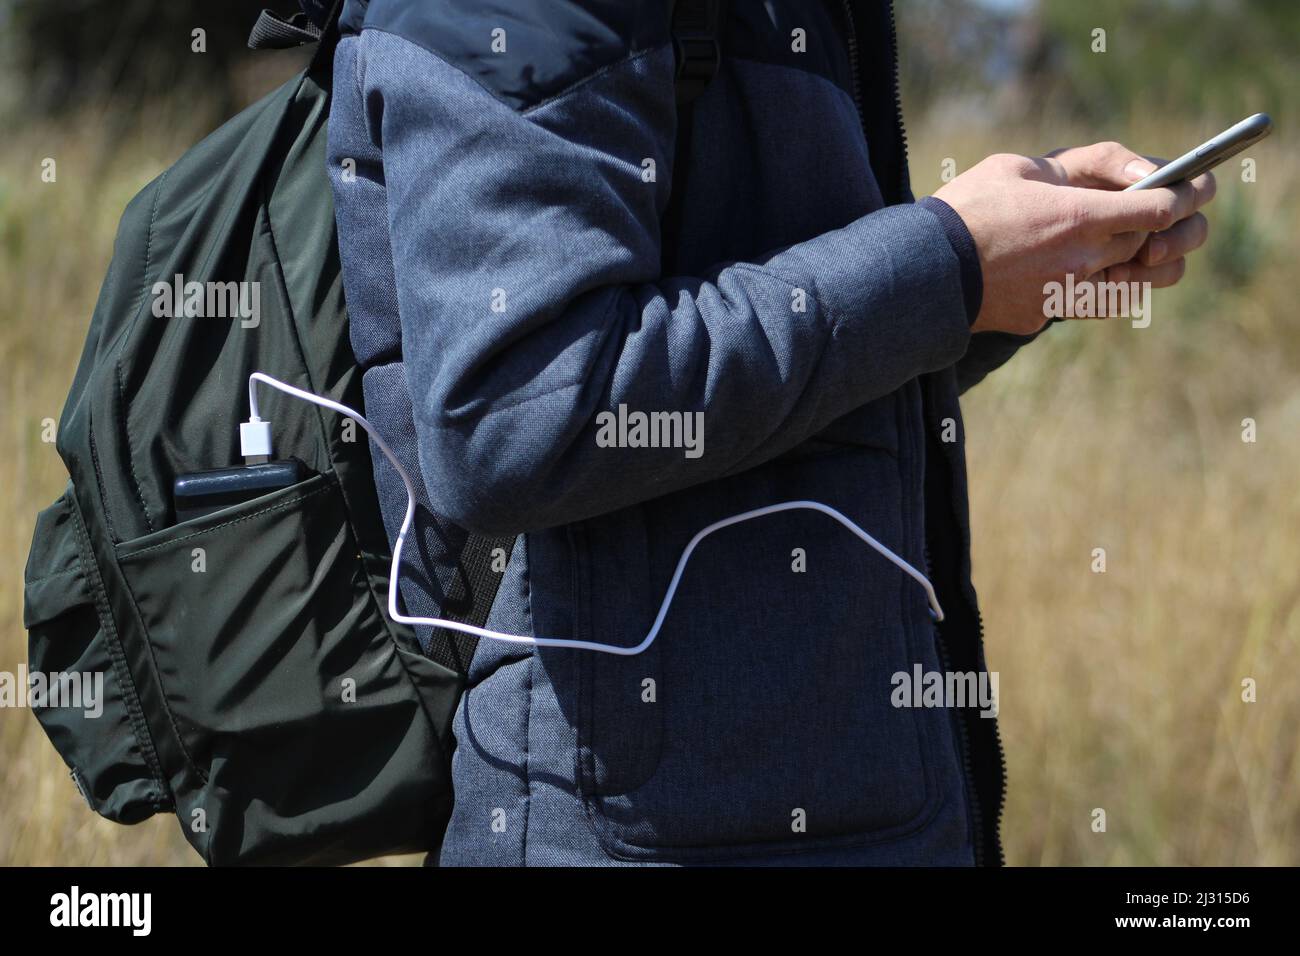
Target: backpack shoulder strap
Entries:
(274, 32)
(696, 29)
(469, 600)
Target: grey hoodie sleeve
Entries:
(526, 253)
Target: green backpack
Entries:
(252, 682)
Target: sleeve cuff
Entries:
(963, 244)
(892, 284)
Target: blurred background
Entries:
(1119, 691)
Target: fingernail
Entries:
(1156, 251)
(1137, 168)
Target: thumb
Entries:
(1102, 165)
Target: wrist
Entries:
(963, 246)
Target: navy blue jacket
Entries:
(501, 174)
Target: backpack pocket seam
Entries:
(278, 506)
(122, 669)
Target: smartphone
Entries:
(1209, 154)
(203, 492)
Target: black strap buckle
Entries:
(695, 45)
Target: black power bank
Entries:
(204, 492)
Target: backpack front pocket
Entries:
(84, 703)
(306, 733)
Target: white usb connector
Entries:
(255, 441)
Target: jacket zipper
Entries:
(964, 745)
(957, 720)
(899, 131)
(976, 810)
(895, 93)
(899, 195)
(851, 38)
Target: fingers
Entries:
(1110, 167)
(1204, 186)
(1100, 166)
(1123, 247)
(1175, 242)
(1160, 276)
(1179, 239)
(1203, 189)
(1147, 210)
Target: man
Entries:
(515, 279)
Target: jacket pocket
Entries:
(301, 730)
(83, 704)
(771, 727)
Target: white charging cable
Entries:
(255, 442)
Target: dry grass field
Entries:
(1123, 690)
(1119, 690)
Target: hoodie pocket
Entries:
(760, 721)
